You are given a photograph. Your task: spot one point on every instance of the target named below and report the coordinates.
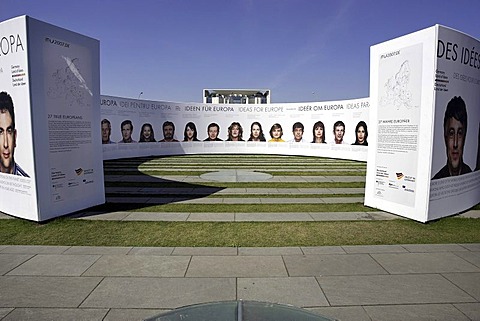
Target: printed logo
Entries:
(57, 42)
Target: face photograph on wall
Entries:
(8, 137)
(455, 123)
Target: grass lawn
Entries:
(65, 231)
(68, 231)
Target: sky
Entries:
(302, 50)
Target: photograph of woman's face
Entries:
(319, 132)
(235, 131)
(360, 134)
(190, 132)
(277, 133)
(147, 132)
(255, 131)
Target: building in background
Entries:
(236, 96)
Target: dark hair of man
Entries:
(457, 109)
(168, 123)
(298, 125)
(213, 125)
(106, 121)
(126, 122)
(6, 104)
(337, 124)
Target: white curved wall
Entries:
(117, 109)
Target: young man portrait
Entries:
(213, 130)
(338, 132)
(168, 132)
(106, 131)
(454, 134)
(127, 128)
(8, 137)
(297, 130)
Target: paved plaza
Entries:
(378, 282)
(383, 282)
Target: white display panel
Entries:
(455, 184)
(139, 112)
(62, 85)
(409, 89)
(17, 187)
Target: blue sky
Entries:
(303, 50)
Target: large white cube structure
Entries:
(423, 159)
(51, 154)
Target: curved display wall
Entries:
(133, 127)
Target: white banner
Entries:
(290, 128)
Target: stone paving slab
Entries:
(269, 251)
(472, 257)
(342, 313)
(297, 291)
(384, 216)
(102, 250)
(471, 247)
(229, 273)
(315, 250)
(56, 265)
(159, 293)
(374, 249)
(156, 251)
(42, 314)
(234, 191)
(469, 282)
(445, 312)
(343, 200)
(236, 266)
(341, 216)
(131, 314)
(470, 214)
(209, 217)
(230, 217)
(10, 261)
(240, 201)
(438, 262)
(425, 248)
(153, 216)
(236, 175)
(133, 200)
(205, 251)
(391, 289)
(112, 216)
(5, 311)
(137, 265)
(318, 265)
(45, 291)
(471, 310)
(272, 217)
(35, 249)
